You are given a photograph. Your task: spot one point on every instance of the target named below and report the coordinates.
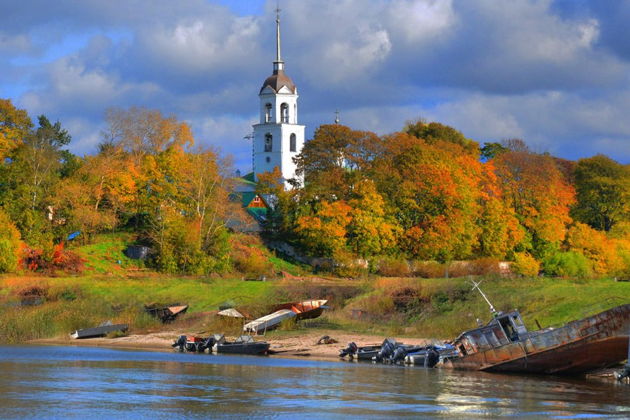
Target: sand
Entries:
(298, 344)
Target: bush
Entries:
(525, 265)
(249, 259)
(567, 264)
(393, 267)
(485, 266)
(428, 269)
(9, 244)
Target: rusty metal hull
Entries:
(577, 347)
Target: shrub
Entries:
(393, 267)
(567, 264)
(428, 269)
(485, 266)
(249, 259)
(9, 244)
(525, 265)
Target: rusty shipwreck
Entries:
(505, 345)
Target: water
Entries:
(79, 382)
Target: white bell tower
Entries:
(278, 138)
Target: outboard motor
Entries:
(398, 355)
(623, 374)
(180, 342)
(431, 358)
(351, 350)
(387, 349)
(206, 344)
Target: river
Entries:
(90, 382)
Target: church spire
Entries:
(278, 65)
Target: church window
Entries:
(284, 112)
(292, 143)
(268, 112)
(268, 142)
(268, 159)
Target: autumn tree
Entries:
(15, 125)
(603, 192)
(435, 132)
(539, 194)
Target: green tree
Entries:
(603, 192)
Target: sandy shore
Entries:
(299, 344)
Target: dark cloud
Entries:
(552, 72)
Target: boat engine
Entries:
(180, 342)
(351, 350)
(387, 349)
(431, 358)
(398, 355)
(623, 374)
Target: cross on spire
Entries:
(278, 64)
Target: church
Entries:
(277, 137)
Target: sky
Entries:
(555, 73)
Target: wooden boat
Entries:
(307, 309)
(166, 314)
(505, 345)
(268, 322)
(244, 344)
(100, 331)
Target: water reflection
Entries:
(52, 382)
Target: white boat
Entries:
(268, 322)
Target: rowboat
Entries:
(268, 322)
(307, 309)
(100, 331)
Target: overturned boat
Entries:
(268, 322)
(505, 345)
(100, 331)
(307, 309)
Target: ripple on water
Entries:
(54, 382)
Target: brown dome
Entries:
(277, 80)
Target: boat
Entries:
(268, 322)
(363, 353)
(244, 344)
(166, 314)
(100, 331)
(505, 345)
(307, 309)
(429, 356)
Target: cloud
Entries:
(554, 72)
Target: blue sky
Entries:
(554, 73)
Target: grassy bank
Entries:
(116, 288)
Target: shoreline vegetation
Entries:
(394, 228)
(46, 309)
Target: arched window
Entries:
(268, 112)
(284, 113)
(268, 142)
(292, 143)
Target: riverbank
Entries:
(284, 345)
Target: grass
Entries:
(105, 254)
(113, 288)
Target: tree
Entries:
(434, 132)
(603, 192)
(334, 158)
(15, 125)
(539, 194)
(32, 178)
(492, 150)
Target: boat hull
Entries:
(580, 346)
(246, 348)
